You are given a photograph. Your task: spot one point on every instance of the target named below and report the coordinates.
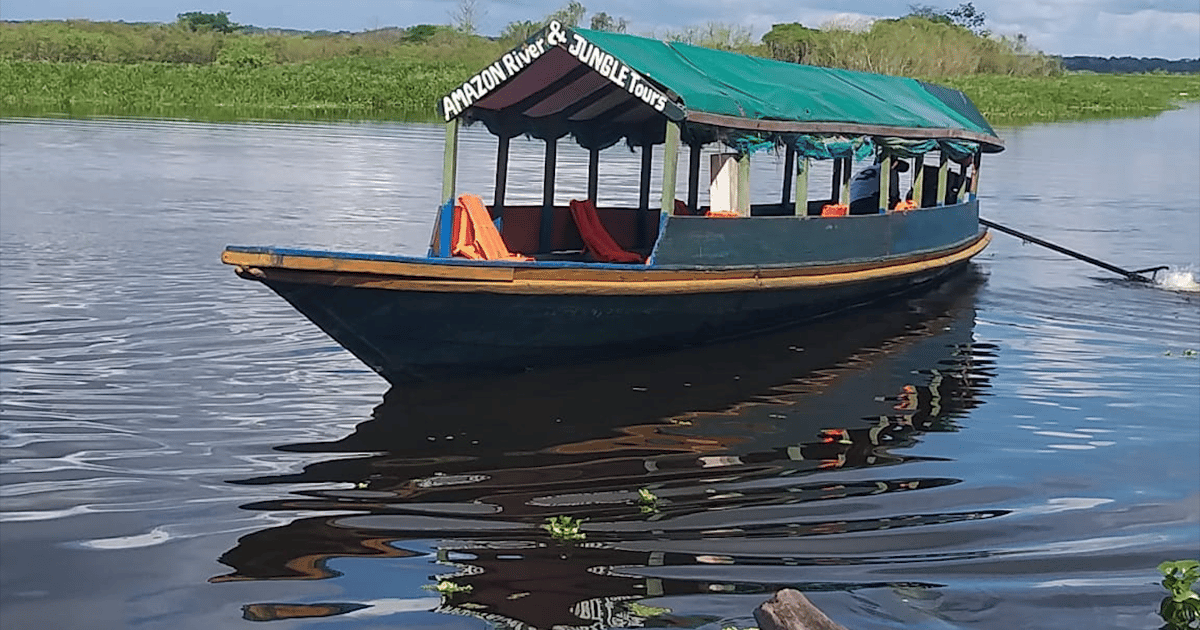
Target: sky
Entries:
(1106, 28)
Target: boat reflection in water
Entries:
(746, 445)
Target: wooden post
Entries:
(644, 194)
(593, 174)
(835, 195)
(943, 169)
(885, 183)
(440, 241)
(547, 227)
(962, 182)
(975, 174)
(670, 168)
(647, 169)
(918, 179)
(846, 166)
(801, 208)
(450, 160)
(789, 163)
(501, 175)
(693, 199)
(743, 192)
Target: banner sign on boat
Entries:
(519, 58)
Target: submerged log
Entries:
(791, 610)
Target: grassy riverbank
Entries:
(1005, 100)
(338, 88)
(92, 68)
(406, 89)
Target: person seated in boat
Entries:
(929, 191)
(864, 188)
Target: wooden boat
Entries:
(508, 287)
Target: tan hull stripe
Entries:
(622, 283)
(377, 267)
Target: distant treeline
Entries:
(205, 65)
(1129, 65)
(923, 43)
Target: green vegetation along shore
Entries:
(187, 70)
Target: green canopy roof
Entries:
(602, 86)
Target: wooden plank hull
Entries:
(420, 322)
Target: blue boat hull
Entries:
(414, 319)
(409, 336)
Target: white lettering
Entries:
(517, 60)
(614, 70)
(595, 55)
(469, 91)
(576, 44)
(498, 70)
(555, 34)
(510, 63)
(461, 101)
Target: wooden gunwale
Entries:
(582, 281)
(415, 269)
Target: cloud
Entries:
(1139, 28)
(1110, 28)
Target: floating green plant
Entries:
(564, 528)
(647, 501)
(1180, 609)
(446, 587)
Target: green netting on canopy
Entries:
(739, 86)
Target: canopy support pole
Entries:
(450, 161)
(801, 207)
(593, 174)
(694, 179)
(647, 171)
(943, 170)
(670, 168)
(918, 179)
(834, 195)
(501, 176)
(962, 182)
(885, 183)
(845, 197)
(547, 227)
(977, 160)
(789, 163)
(440, 241)
(644, 192)
(743, 192)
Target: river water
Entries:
(182, 450)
